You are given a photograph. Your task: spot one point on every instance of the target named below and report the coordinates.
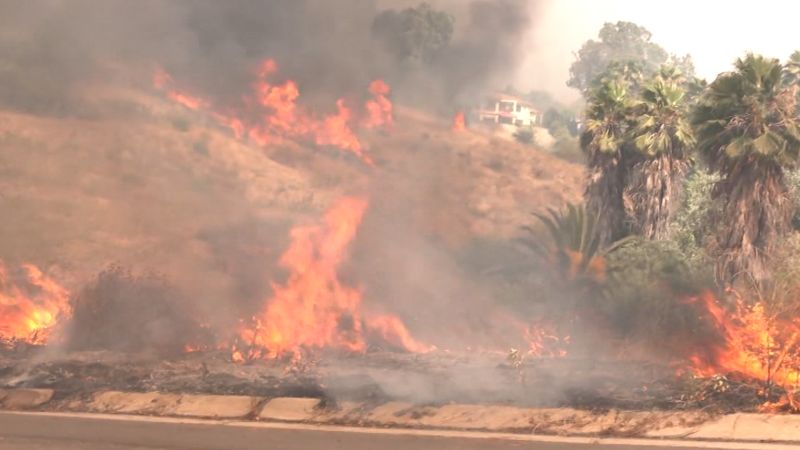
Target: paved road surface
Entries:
(20, 431)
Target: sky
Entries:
(714, 32)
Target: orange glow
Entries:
(314, 309)
(544, 341)
(753, 344)
(163, 81)
(30, 310)
(379, 108)
(459, 122)
(335, 131)
(273, 112)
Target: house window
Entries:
(507, 107)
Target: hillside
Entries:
(148, 184)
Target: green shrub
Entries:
(643, 297)
(694, 221)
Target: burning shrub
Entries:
(121, 311)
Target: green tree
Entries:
(793, 68)
(661, 138)
(625, 44)
(414, 35)
(747, 130)
(603, 141)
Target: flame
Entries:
(278, 114)
(379, 108)
(334, 131)
(314, 309)
(30, 312)
(162, 80)
(544, 341)
(754, 345)
(459, 122)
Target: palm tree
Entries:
(603, 141)
(662, 138)
(747, 130)
(793, 69)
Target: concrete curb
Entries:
(687, 425)
(20, 399)
(290, 409)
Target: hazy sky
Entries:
(714, 32)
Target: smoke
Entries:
(49, 46)
(490, 48)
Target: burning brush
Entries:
(314, 309)
(31, 305)
(272, 111)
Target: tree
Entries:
(414, 35)
(622, 43)
(793, 69)
(748, 132)
(661, 138)
(603, 142)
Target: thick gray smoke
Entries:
(47, 46)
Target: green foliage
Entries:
(624, 44)
(793, 68)
(646, 280)
(414, 35)
(662, 139)
(748, 131)
(606, 119)
(660, 124)
(556, 121)
(573, 245)
(568, 148)
(694, 220)
(793, 181)
(748, 116)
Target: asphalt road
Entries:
(19, 431)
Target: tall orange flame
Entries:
(29, 310)
(753, 345)
(314, 309)
(379, 108)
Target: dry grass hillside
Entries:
(139, 181)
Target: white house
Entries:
(506, 109)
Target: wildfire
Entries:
(379, 108)
(544, 341)
(161, 80)
(29, 310)
(754, 344)
(278, 114)
(314, 309)
(459, 122)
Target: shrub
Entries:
(121, 311)
(524, 136)
(694, 220)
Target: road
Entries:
(37, 431)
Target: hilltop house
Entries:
(510, 110)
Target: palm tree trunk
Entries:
(652, 194)
(604, 197)
(757, 211)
